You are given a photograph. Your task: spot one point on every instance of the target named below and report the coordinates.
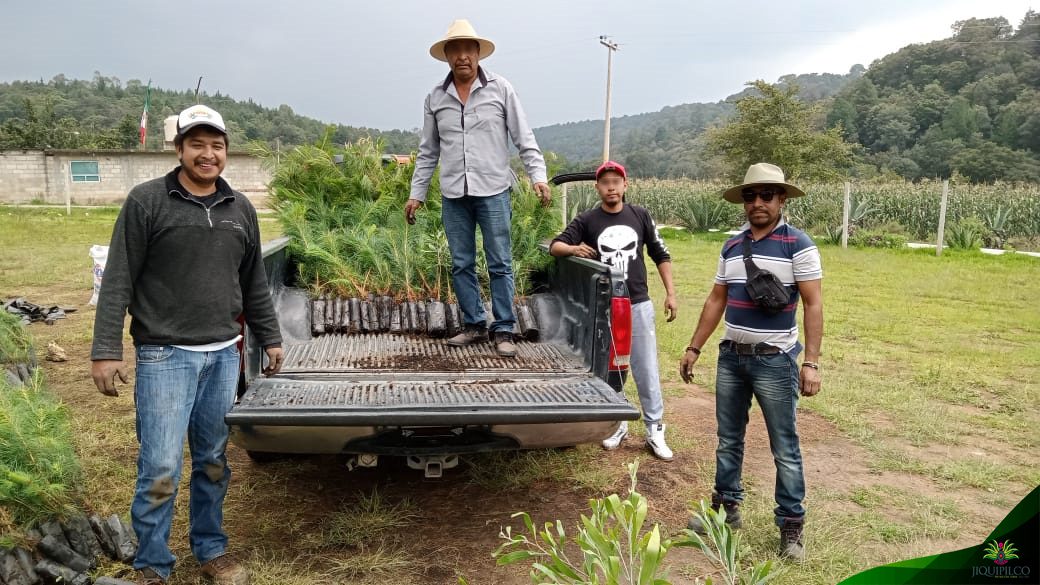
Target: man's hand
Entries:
(544, 193)
(104, 373)
(275, 356)
(810, 381)
(671, 306)
(584, 251)
(410, 207)
(686, 366)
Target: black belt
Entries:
(749, 348)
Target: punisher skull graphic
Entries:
(617, 246)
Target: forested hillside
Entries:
(665, 143)
(105, 112)
(968, 104)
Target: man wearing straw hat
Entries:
(469, 120)
(758, 355)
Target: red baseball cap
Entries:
(611, 166)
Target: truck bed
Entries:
(409, 394)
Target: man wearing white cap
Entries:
(469, 120)
(185, 260)
(762, 273)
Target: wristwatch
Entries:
(695, 350)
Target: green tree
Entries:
(775, 126)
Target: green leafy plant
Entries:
(996, 227)
(877, 239)
(612, 541)
(343, 209)
(38, 466)
(723, 547)
(965, 234)
(702, 213)
(616, 547)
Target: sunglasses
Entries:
(765, 194)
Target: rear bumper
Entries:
(333, 440)
(424, 417)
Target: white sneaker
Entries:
(655, 442)
(614, 441)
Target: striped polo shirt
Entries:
(791, 255)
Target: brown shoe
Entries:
(504, 345)
(148, 577)
(225, 570)
(470, 335)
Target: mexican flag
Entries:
(143, 130)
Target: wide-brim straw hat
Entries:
(459, 30)
(761, 174)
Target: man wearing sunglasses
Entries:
(758, 355)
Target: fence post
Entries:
(942, 216)
(845, 215)
(563, 208)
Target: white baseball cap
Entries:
(199, 115)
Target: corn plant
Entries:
(612, 542)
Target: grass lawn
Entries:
(925, 434)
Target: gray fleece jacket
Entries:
(184, 272)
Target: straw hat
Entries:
(459, 30)
(762, 174)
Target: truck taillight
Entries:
(621, 332)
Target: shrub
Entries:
(877, 239)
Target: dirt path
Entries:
(273, 510)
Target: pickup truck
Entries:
(363, 380)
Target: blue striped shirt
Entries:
(791, 255)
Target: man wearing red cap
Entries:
(615, 233)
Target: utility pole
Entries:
(611, 47)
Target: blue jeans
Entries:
(494, 216)
(773, 381)
(181, 393)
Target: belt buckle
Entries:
(744, 348)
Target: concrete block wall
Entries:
(44, 176)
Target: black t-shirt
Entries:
(619, 238)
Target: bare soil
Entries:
(274, 510)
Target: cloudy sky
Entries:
(366, 63)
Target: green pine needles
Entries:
(344, 210)
(38, 466)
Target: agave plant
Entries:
(701, 213)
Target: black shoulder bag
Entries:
(763, 286)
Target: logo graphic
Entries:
(1000, 552)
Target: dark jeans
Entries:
(494, 215)
(773, 381)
